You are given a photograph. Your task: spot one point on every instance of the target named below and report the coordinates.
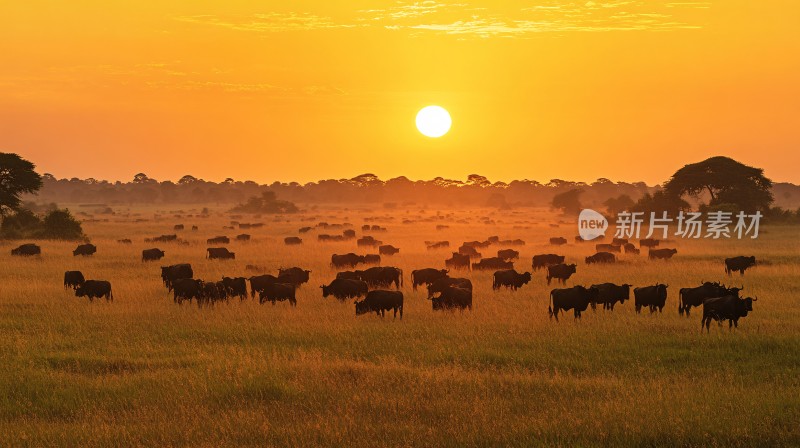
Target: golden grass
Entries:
(144, 371)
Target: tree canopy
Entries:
(17, 176)
(568, 201)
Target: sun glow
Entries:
(433, 121)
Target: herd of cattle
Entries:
(374, 283)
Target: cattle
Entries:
(243, 237)
(458, 261)
(426, 276)
(469, 251)
(576, 298)
(516, 242)
(85, 250)
(162, 239)
(346, 261)
(649, 242)
(619, 241)
(630, 249)
(152, 254)
(325, 238)
(292, 241)
(477, 244)
(601, 257)
(368, 241)
(343, 288)
(73, 279)
(94, 289)
(608, 294)
(304, 229)
(220, 253)
(259, 282)
(608, 248)
(545, 260)
(558, 241)
(125, 241)
(378, 277)
(439, 285)
(169, 274)
(195, 228)
(372, 259)
(235, 287)
(380, 301)
(662, 254)
(560, 272)
(388, 249)
(692, 297)
(27, 250)
(510, 278)
(187, 289)
(508, 254)
(653, 297)
(212, 292)
(452, 298)
(492, 263)
(219, 240)
(730, 308)
(433, 245)
(739, 264)
(349, 234)
(277, 292)
(178, 227)
(295, 276)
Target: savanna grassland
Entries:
(145, 371)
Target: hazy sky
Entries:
(305, 90)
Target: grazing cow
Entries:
(236, 286)
(493, 239)
(516, 242)
(381, 301)
(344, 288)
(692, 297)
(439, 285)
(388, 249)
(187, 289)
(452, 298)
(457, 261)
(433, 245)
(560, 272)
(325, 238)
(619, 241)
(378, 277)
(73, 279)
(259, 282)
(372, 259)
(662, 254)
(85, 250)
(558, 241)
(508, 254)
(426, 276)
(125, 241)
(178, 227)
(545, 260)
(169, 274)
(469, 251)
(292, 241)
(609, 294)
(630, 249)
(349, 260)
(650, 296)
(477, 244)
(212, 292)
(510, 278)
(278, 292)
(304, 229)
(739, 264)
(163, 239)
(94, 289)
(152, 254)
(601, 257)
(219, 253)
(195, 228)
(730, 308)
(27, 250)
(649, 242)
(442, 227)
(349, 234)
(296, 276)
(243, 237)
(219, 240)
(608, 248)
(492, 263)
(576, 298)
(368, 241)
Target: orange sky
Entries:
(306, 90)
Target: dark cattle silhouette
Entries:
(368, 241)
(219, 240)
(452, 298)
(545, 260)
(388, 249)
(432, 245)
(125, 241)
(94, 289)
(492, 264)
(235, 287)
(296, 276)
(692, 297)
(601, 257)
(608, 294)
(259, 282)
(457, 261)
(292, 241)
(508, 254)
(558, 241)
(73, 279)
(152, 254)
(426, 276)
(608, 248)
(630, 249)
(730, 308)
(243, 237)
(277, 292)
(560, 272)
(653, 297)
(740, 264)
(649, 242)
(619, 241)
(346, 260)
(27, 250)
(344, 288)
(187, 289)
(169, 274)
(663, 254)
(510, 278)
(304, 229)
(469, 251)
(85, 250)
(439, 285)
(576, 298)
(219, 253)
(379, 302)
(177, 227)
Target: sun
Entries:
(433, 121)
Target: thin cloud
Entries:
(268, 22)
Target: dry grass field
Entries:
(145, 371)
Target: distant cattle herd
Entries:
(379, 287)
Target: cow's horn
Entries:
(755, 299)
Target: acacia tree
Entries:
(726, 181)
(568, 201)
(17, 176)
